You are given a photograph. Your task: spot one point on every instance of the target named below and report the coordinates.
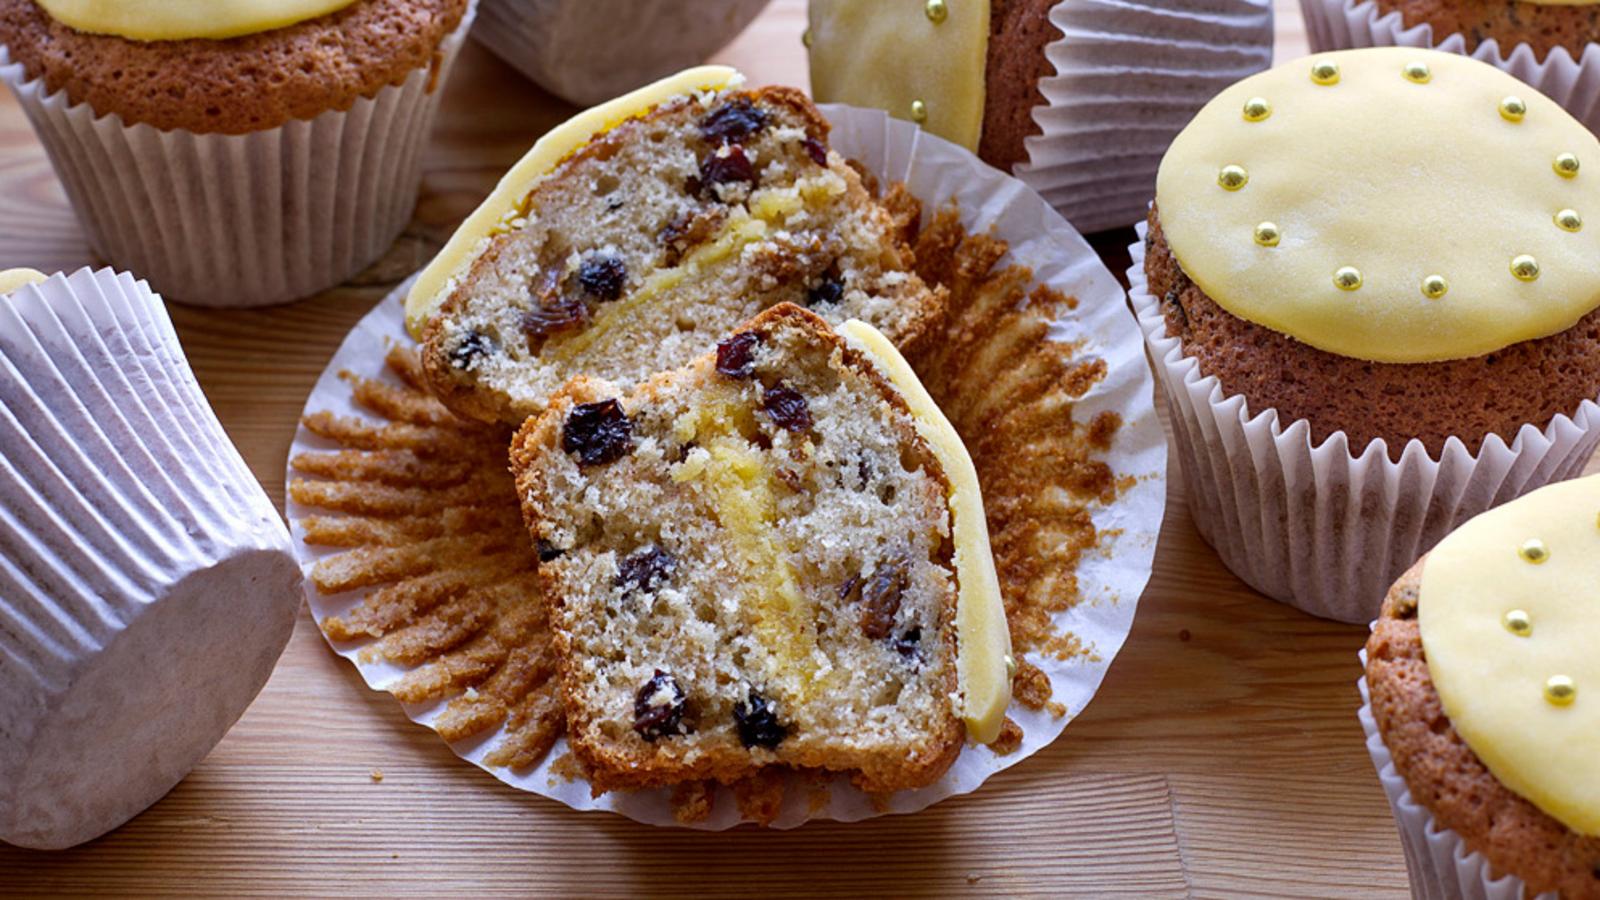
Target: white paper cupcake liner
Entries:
(243, 220)
(147, 585)
(588, 51)
(1440, 864)
(1110, 580)
(1318, 527)
(1129, 75)
(1573, 83)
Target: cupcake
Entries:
(241, 154)
(147, 585)
(1482, 703)
(588, 51)
(1369, 290)
(1078, 99)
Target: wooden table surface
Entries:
(1222, 756)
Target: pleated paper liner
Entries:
(1042, 369)
(141, 559)
(1320, 527)
(243, 220)
(1129, 74)
(588, 51)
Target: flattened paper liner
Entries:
(1573, 83)
(141, 559)
(1440, 864)
(1317, 527)
(588, 51)
(1129, 75)
(243, 220)
(1111, 578)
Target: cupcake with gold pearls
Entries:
(1482, 702)
(1368, 285)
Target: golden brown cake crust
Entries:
(1530, 382)
(1446, 777)
(1509, 22)
(250, 83)
(1019, 30)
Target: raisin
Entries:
(658, 708)
(758, 724)
(816, 150)
(908, 644)
(602, 277)
(787, 408)
(725, 165)
(733, 121)
(881, 595)
(549, 551)
(474, 345)
(736, 356)
(597, 432)
(829, 292)
(559, 314)
(645, 570)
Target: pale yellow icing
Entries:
(1492, 680)
(985, 640)
(891, 55)
(172, 20)
(11, 279)
(1399, 181)
(505, 204)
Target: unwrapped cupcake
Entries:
(1078, 99)
(236, 154)
(147, 584)
(1483, 703)
(1369, 288)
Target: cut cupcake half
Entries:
(765, 558)
(643, 231)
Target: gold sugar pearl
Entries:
(919, 111)
(1534, 551)
(1518, 622)
(805, 37)
(1566, 165)
(1416, 72)
(1434, 287)
(1569, 220)
(1347, 278)
(1512, 109)
(1525, 268)
(937, 11)
(1267, 234)
(1560, 690)
(1325, 73)
(1257, 109)
(1233, 178)
(1011, 666)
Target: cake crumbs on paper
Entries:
(566, 769)
(1009, 740)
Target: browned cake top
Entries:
(1446, 777)
(235, 86)
(1509, 22)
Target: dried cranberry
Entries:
(816, 150)
(658, 707)
(559, 314)
(829, 292)
(736, 356)
(645, 570)
(549, 551)
(597, 432)
(758, 724)
(881, 595)
(602, 277)
(908, 644)
(726, 165)
(732, 121)
(474, 345)
(787, 408)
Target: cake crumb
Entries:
(565, 768)
(973, 878)
(692, 801)
(1009, 740)
(377, 776)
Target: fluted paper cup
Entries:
(1321, 527)
(1129, 74)
(588, 51)
(1573, 83)
(1440, 864)
(243, 220)
(147, 585)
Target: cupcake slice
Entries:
(767, 557)
(1542, 26)
(645, 230)
(1485, 696)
